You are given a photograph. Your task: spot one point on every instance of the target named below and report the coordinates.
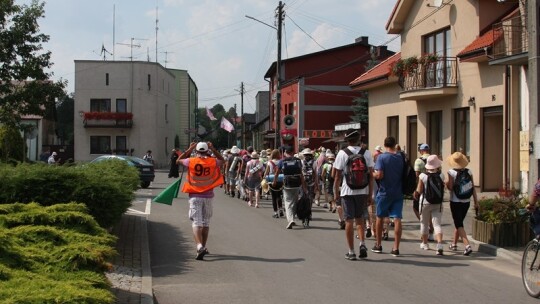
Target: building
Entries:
(315, 93)
(262, 107)
(458, 84)
(129, 107)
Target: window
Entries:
(166, 113)
(439, 72)
(121, 145)
(435, 132)
(438, 43)
(461, 139)
(393, 127)
(121, 105)
(100, 105)
(100, 144)
(106, 79)
(149, 82)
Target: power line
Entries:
(322, 47)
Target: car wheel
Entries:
(145, 184)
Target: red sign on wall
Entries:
(318, 133)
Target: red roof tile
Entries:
(486, 40)
(383, 69)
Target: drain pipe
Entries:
(507, 129)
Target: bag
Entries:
(307, 170)
(234, 164)
(329, 178)
(408, 177)
(270, 178)
(303, 207)
(356, 171)
(256, 169)
(434, 188)
(292, 169)
(463, 185)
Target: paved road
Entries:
(254, 259)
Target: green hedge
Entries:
(105, 188)
(53, 254)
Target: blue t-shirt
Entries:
(392, 166)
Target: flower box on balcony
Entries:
(107, 116)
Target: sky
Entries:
(211, 39)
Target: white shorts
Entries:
(200, 211)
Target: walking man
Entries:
(356, 189)
(420, 167)
(203, 175)
(388, 170)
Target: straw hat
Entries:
(331, 156)
(378, 148)
(254, 154)
(264, 154)
(307, 151)
(457, 160)
(433, 162)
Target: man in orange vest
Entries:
(203, 175)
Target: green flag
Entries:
(168, 194)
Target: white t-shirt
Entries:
(339, 164)
(423, 177)
(453, 197)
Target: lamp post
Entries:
(278, 69)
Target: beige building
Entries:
(129, 107)
(458, 84)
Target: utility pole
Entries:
(242, 124)
(234, 124)
(277, 142)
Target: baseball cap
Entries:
(424, 147)
(201, 147)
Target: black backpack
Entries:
(463, 185)
(434, 188)
(308, 172)
(356, 172)
(292, 170)
(408, 177)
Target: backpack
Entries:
(292, 169)
(329, 177)
(233, 163)
(408, 177)
(434, 188)
(303, 207)
(463, 185)
(307, 170)
(256, 169)
(356, 171)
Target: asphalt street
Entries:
(254, 259)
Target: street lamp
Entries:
(278, 70)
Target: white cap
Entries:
(202, 147)
(235, 150)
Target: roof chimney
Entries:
(362, 39)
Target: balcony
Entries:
(511, 43)
(428, 78)
(107, 119)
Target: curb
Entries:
(495, 251)
(147, 296)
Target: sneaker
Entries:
(424, 246)
(467, 251)
(275, 215)
(305, 223)
(289, 226)
(317, 203)
(363, 252)
(377, 249)
(439, 249)
(200, 254)
(350, 256)
(325, 206)
(385, 236)
(341, 224)
(368, 232)
(430, 237)
(453, 247)
(281, 213)
(395, 252)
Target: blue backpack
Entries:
(463, 185)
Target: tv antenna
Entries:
(131, 46)
(166, 53)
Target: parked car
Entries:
(146, 169)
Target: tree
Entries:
(65, 110)
(12, 146)
(25, 87)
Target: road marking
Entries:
(147, 209)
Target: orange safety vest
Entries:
(203, 175)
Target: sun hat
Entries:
(331, 155)
(54, 154)
(201, 147)
(378, 148)
(254, 154)
(264, 153)
(457, 160)
(235, 150)
(424, 147)
(307, 151)
(433, 162)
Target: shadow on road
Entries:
(225, 257)
(170, 249)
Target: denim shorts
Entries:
(389, 206)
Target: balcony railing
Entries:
(107, 119)
(510, 37)
(438, 73)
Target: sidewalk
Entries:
(131, 277)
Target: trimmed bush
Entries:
(105, 188)
(53, 254)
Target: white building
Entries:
(129, 107)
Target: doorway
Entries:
(492, 149)
(412, 138)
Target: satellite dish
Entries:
(437, 3)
